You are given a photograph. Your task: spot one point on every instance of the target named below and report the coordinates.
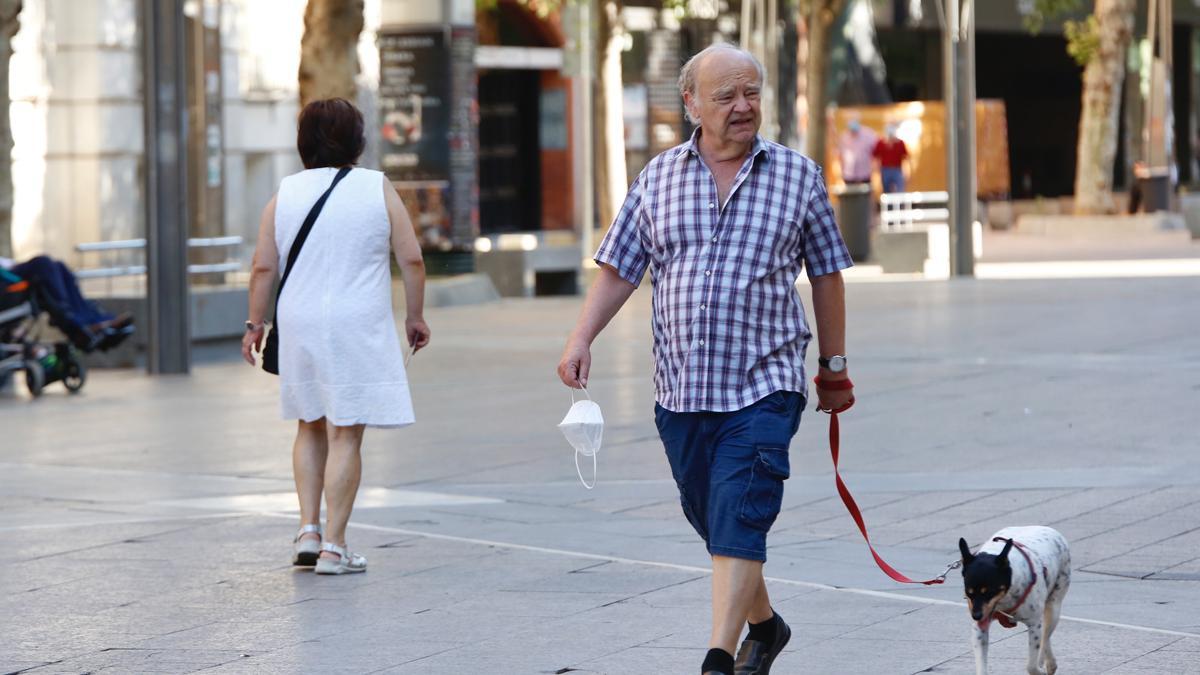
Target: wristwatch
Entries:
(834, 364)
(250, 325)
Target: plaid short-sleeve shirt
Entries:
(729, 327)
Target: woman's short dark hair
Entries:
(330, 133)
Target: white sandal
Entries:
(306, 551)
(346, 563)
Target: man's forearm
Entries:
(604, 300)
(829, 306)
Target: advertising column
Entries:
(428, 120)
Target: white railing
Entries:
(113, 271)
(909, 211)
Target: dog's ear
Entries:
(1002, 559)
(967, 557)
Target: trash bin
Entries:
(854, 218)
(1156, 192)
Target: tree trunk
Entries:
(1102, 79)
(611, 182)
(821, 15)
(10, 10)
(328, 50)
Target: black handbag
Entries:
(270, 350)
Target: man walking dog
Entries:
(725, 223)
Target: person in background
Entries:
(891, 153)
(341, 368)
(59, 284)
(856, 148)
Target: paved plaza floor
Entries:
(148, 520)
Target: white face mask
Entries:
(584, 428)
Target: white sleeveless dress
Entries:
(340, 354)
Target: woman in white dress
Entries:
(341, 366)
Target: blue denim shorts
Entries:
(730, 469)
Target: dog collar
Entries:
(1006, 617)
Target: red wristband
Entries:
(833, 385)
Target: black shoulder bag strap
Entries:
(302, 235)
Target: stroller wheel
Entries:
(35, 378)
(75, 375)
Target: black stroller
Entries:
(22, 348)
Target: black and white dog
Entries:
(1021, 574)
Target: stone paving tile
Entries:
(693, 596)
(547, 605)
(83, 595)
(1103, 521)
(41, 544)
(893, 516)
(257, 636)
(661, 509)
(826, 512)
(848, 562)
(644, 659)
(1158, 663)
(1151, 548)
(1186, 571)
(616, 499)
(1076, 643)
(602, 577)
(1078, 648)
(14, 665)
(1173, 554)
(516, 512)
(364, 652)
(957, 519)
(1147, 603)
(644, 528)
(638, 535)
(546, 647)
(1060, 506)
(1184, 645)
(833, 608)
(869, 657)
(933, 623)
(151, 618)
(135, 660)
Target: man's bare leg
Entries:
(738, 594)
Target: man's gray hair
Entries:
(687, 76)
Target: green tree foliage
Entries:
(1083, 37)
(1045, 10)
(542, 8)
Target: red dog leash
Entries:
(844, 492)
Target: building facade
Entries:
(77, 116)
(1041, 85)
